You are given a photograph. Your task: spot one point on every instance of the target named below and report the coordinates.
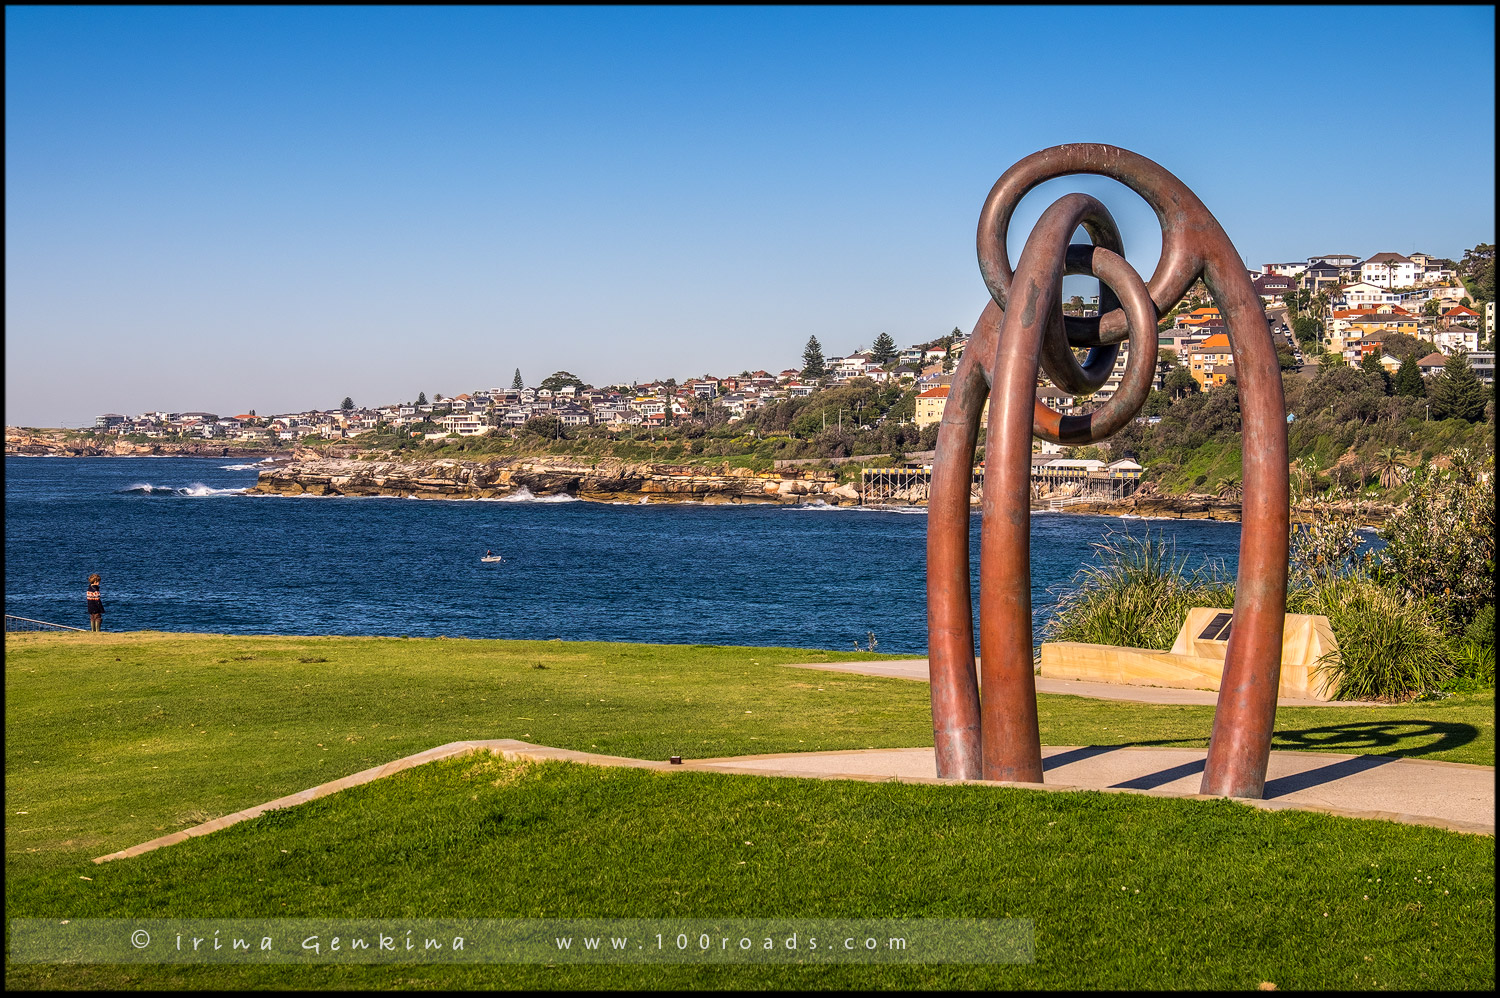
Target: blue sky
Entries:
(273, 208)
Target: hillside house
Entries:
(1452, 339)
(1200, 317)
(1211, 362)
(1389, 270)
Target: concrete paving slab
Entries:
(916, 668)
(1419, 791)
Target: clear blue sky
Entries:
(227, 209)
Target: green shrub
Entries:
(1390, 647)
(1481, 630)
(1138, 596)
(1473, 665)
(1440, 543)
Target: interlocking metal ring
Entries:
(1023, 330)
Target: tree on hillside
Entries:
(1477, 271)
(1180, 382)
(347, 405)
(1457, 392)
(1306, 329)
(421, 398)
(1318, 305)
(516, 383)
(1402, 345)
(562, 379)
(546, 426)
(437, 397)
(883, 351)
(813, 367)
(1387, 467)
(1371, 365)
(668, 394)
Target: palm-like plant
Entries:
(1319, 305)
(1388, 468)
(1230, 490)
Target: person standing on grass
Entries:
(96, 605)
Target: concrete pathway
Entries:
(916, 668)
(1449, 795)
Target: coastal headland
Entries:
(53, 443)
(306, 471)
(603, 480)
(611, 480)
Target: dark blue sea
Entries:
(181, 549)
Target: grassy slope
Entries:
(115, 739)
(1214, 895)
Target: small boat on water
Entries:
(491, 557)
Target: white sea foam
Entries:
(196, 490)
(523, 494)
(818, 505)
(240, 467)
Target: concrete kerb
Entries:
(515, 750)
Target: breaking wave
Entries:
(197, 490)
(523, 494)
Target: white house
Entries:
(1389, 270)
(1456, 338)
(1431, 269)
(1364, 293)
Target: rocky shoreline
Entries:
(621, 482)
(599, 481)
(25, 444)
(1193, 507)
(307, 472)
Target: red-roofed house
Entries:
(1199, 317)
(1211, 361)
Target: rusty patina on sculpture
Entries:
(1023, 328)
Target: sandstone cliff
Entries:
(599, 481)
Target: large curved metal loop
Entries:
(1176, 209)
(1023, 329)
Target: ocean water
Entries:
(180, 548)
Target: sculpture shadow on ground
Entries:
(1390, 740)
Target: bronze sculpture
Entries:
(1024, 327)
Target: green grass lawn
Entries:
(115, 739)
